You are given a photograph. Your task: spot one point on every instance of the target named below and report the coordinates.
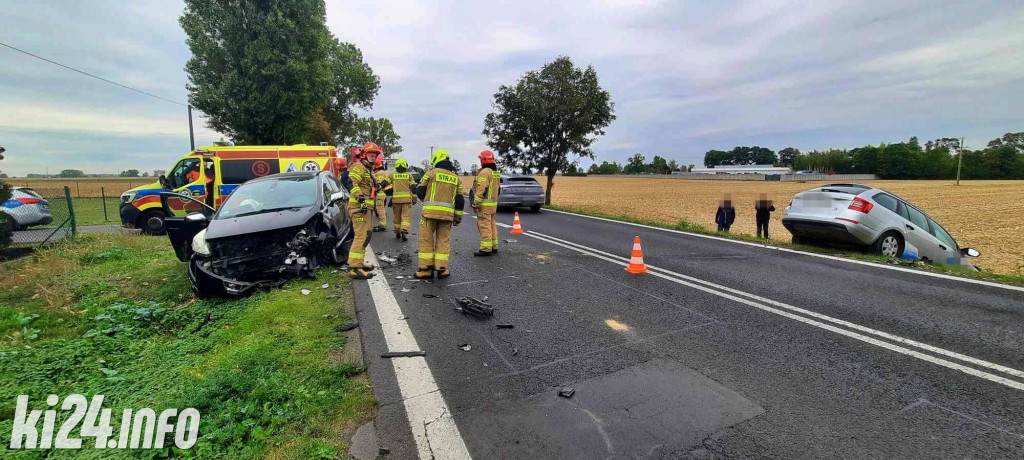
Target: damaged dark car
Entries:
(268, 229)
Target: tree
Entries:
(474, 169)
(458, 167)
(635, 164)
(380, 131)
(658, 166)
(71, 173)
(689, 168)
(673, 166)
(158, 172)
(787, 155)
(593, 169)
(864, 160)
(264, 71)
(714, 158)
(145, 174)
(425, 165)
(129, 173)
(1015, 140)
(899, 161)
(549, 114)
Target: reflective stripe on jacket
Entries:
(362, 182)
(401, 187)
(442, 186)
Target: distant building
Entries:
(743, 169)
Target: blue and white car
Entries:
(26, 208)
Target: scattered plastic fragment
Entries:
(305, 291)
(403, 354)
(325, 286)
(504, 326)
(399, 277)
(511, 241)
(465, 347)
(566, 392)
(431, 296)
(475, 307)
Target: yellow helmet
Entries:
(438, 157)
(401, 163)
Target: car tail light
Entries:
(860, 204)
(29, 200)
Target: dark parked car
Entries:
(267, 229)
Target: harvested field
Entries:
(84, 187)
(985, 215)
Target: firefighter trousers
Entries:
(362, 228)
(401, 217)
(488, 227)
(382, 213)
(435, 236)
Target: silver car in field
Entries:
(520, 191)
(26, 208)
(869, 216)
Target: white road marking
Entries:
(433, 428)
(726, 292)
(823, 256)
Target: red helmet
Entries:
(371, 147)
(356, 154)
(340, 164)
(379, 162)
(486, 156)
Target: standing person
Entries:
(485, 203)
(725, 215)
(341, 169)
(441, 192)
(763, 213)
(383, 188)
(402, 199)
(359, 209)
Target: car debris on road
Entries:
(475, 307)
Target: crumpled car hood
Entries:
(223, 228)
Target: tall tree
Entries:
(71, 173)
(1015, 140)
(635, 164)
(380, 131)
(658, 166)
(787, 155)
(263, 71)
(549, 114)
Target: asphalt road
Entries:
(724, 350)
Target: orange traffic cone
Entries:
(517, 229)
(636, 259)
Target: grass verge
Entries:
(691, 227)
(114, 315)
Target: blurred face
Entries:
(726, 200)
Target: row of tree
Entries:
(637, 165)
(937, 159)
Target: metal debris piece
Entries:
(475, 307)
(566, 392)
(511, 241)
(504, 326)
(348, 327)
(305, 291)
(385, 258)
(465, 347)
(486, 298)
(432, 296)
(403, 354)
(408, 289)
(399, 277)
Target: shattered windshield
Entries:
(270, 195)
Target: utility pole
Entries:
(191, 135)
(960, 161)
(431, 151)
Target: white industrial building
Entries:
(743, 169)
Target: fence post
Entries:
(78, 186)
(71, 210)
(103, 196)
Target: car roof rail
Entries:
(847, 185)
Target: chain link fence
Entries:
(34, 217)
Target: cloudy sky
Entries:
(685, 76)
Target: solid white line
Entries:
(433, 428)
(896, 338)
(718, 290)
(822, 256)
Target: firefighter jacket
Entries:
(383, 185)
(441, 192)
(362, 183)
(401, 186)
(485, 190)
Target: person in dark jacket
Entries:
(762, 214)
(725, 215)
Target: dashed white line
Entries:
(760, 303)
(433, 428)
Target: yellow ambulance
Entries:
(211, 173)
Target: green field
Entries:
(114, 315)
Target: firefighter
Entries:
(485, 203)
(402, 199)
(440, 190)
(341, 169)
(383, 190)
(359, 208)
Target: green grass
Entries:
(691, 227)
(114, 315)
(89, 211)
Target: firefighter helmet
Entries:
(401, 163)
(340, 164)
(357, 154)
(371, 147)
(438, 157)
(379, 162)
(486, 156)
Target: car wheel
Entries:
(799, 240)
(889, 244)
(535, 208)
(203, 286)
(152, 222)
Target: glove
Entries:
(362, 204)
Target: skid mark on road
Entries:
(805, 316)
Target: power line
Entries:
(93, 76)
